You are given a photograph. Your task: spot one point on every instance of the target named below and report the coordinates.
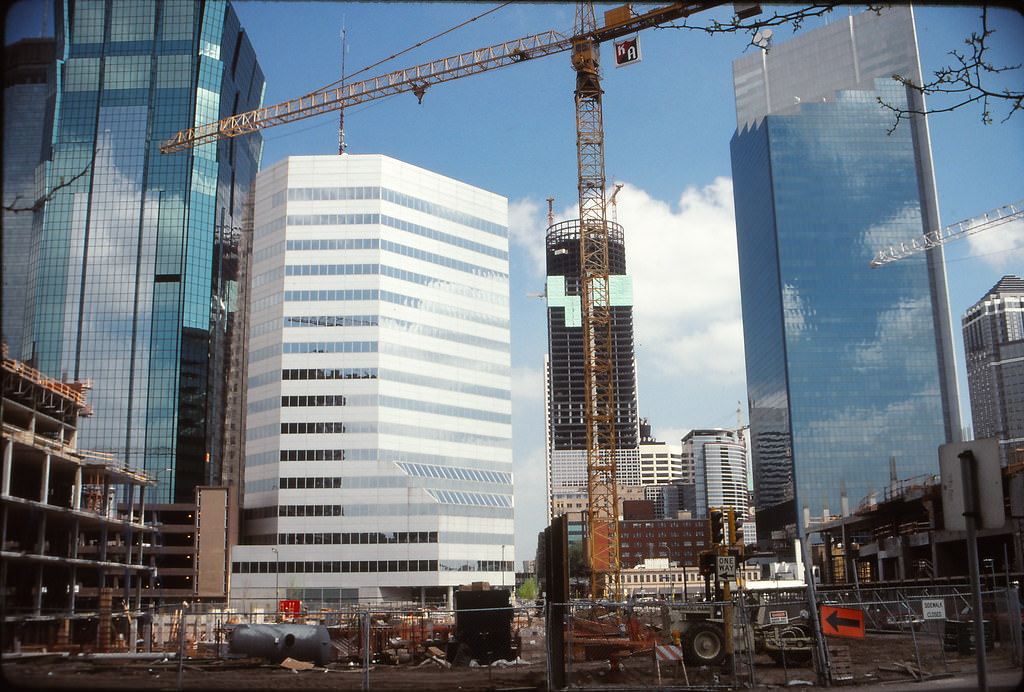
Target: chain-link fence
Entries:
(756, 638)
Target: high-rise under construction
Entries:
(564, 372)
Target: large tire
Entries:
(704, 644)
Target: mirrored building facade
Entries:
(135, 264)
(849, 368)
(28, 70)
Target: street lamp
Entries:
(277, 579)
(503, 582)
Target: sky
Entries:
(668, 121)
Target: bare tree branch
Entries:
(966, 80)
(794, 18)
(45, 198)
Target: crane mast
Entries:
(596, 309)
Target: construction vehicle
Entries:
(775, 621)
(595, 290)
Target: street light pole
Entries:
(277, 580)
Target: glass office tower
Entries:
(849, 368)
(134, 267)
(993, 330)
(28, 69)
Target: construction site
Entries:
(654, 646)
(75, 569)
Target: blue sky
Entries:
(668, 121)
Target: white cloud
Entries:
(685, 280)
(526, 225)
(530, 501)
(1001, 247)
(527, 385)
(688, 329)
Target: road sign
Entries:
(842, 622)
(778, 617)
(627, 51)
(933, 608)
(988, 484)
(669, 653)
(726, 567)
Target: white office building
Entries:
(378, 452)
(720, 464)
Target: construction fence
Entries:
(861, 635)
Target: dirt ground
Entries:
(877, 659)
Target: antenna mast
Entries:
(341, 111)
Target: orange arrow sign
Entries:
(842, 622)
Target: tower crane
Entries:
(599, 373)
(961, 229)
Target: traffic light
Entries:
(732, 526)
(716, 518)
(708, 564)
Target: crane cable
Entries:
(421, 43)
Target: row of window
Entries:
(368, 400)
(359, 243)
(357, 538)
(312, 455)
(396, 273)
(356, 294)
(356, 427)
(403, 325)
(300, 194)
(325, 374)
(303, 482)
(319, 244)
(294, 511)
(332, 566)
(312, 427)
(313, 400)
(327, 347)
(467, 472)
(455, 473)
(459, 497)
(330, 321)
(373, 373)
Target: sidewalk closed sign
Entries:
(933, 608)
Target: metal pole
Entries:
(277, 583)
(181, 643)
(812, 603)
(968, 467)
(366, 650)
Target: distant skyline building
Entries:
(28, 71)
(847, 365)
(720, 469)
(660, 462)
(993, 331)
(564, 385)
(379, 440)
(133, 275)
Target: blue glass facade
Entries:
(135, 268)
(848, 367)
(27, 73)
